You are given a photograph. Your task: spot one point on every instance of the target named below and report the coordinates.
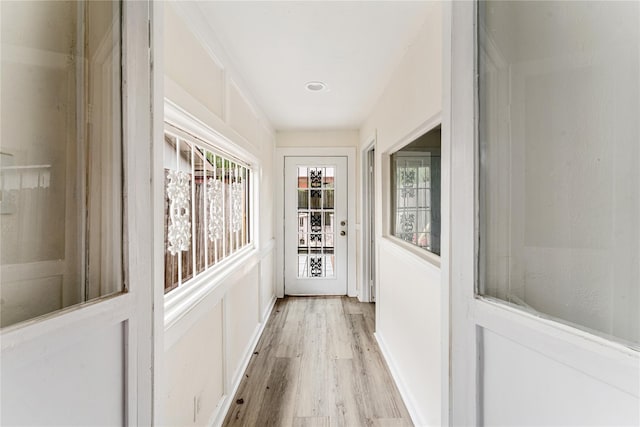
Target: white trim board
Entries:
(350, 153)
(364, 290)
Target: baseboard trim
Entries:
(397, 378)
(220, 414)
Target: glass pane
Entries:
(316, 221)
(315, 177)
(328, 179)
(315, 266)
(328, 243)
(60, 156)
(327, 200)
(303, 199)
(212, 201)
(184, 229)
(216, 208)
(328, 222)
(316, 240)
(199, 214)
(559, 177)
(416, 194)
(303, 181)
(171, 263)
(303, 266)
(316, 199)
(329, 262)
(303, 222)
(303, 240)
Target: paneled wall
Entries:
(409, 320)
(209, 345)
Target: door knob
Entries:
(343, 233)
(343, 223)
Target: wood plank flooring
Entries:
(317, 365)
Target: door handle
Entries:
(343, 233)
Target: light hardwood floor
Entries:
(317, 364)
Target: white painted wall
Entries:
(344, 138)
(195, 377)
(408, 322)
(208, 347)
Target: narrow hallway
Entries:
(318, 364)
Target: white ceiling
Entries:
(277, 47)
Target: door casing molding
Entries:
(364, 197)
(350, 154)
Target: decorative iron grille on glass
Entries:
(316, 229)
(207, 202)
(415, 192)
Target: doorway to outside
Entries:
(315, 226)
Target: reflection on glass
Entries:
(416, 195)
(559, 176)
(60, 177)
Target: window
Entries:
(207, 206)
(415, 192)
(61, 168)
(558, 153)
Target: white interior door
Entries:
(77, 348)
(315, 226)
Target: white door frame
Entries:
(158, 201)
(366, 221)
(350, 154)
(594, 356)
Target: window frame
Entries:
(182, 298)
(427, 126)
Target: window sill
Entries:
(180, 301)
(414, 251)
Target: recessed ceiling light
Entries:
(315, 86)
